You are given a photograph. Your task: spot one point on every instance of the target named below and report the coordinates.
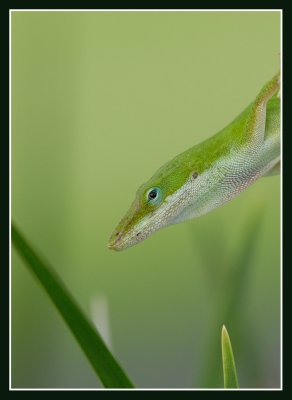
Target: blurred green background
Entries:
(100, 100)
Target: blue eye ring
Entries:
(154, 195)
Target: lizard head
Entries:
(157, 204)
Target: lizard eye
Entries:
(154, 195)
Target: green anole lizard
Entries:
(208, 174)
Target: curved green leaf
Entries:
(229, 369)
(102, 361)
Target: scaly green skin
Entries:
(208, 174)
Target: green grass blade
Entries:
(229, 369)
(234, 281)
(102, 361)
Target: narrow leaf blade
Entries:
(101, 359)
(229, 369)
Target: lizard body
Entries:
(208, 174)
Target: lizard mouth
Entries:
(122, 239)
(115, 242)
(121, 242)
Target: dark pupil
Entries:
(152, 194)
